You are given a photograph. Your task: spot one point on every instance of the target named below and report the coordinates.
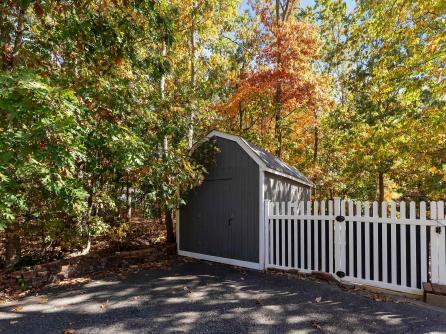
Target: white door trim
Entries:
(238, 263)
(261, 218)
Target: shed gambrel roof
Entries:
(268, 161)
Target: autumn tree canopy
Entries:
(101, 101)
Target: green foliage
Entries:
(386, 60)
(41, 142)
(83, 122)
(99, 99)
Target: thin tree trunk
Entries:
(168, 221)
(192, 79)
(162, 82)
(9, 56)
(129, 201)
(241, 114)
(278, 119)
(85, 250)
(380, 187)
(168, 213)
(316, 143)
(278, 98)
(9, 59)
(13, 249)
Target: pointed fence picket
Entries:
(390, 245)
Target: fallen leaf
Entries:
(69, 331)
(259, 301)
(316, 324)
(43, 300)
(377, 298)
(18, 308)
(318, 299)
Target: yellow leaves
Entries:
(434, 44)
(119, 232)
(213, 60)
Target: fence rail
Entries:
(392, 245)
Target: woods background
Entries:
(101, 101)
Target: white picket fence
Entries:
(398, 249)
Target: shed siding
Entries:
(281, 189)
(221, 217)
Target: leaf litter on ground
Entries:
(316, 324)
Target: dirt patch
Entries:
(138, 233)
(16, 284)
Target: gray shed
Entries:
(223, 220)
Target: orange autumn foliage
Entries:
(288, 52)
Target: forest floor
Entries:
(138, 233)
(189, 296)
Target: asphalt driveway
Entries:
(201, 297)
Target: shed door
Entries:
(218, 216)
(221, 217)
(208, 221)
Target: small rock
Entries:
(347, 285)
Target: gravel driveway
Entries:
(202, 297)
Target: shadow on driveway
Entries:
(201, 297)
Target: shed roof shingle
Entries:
(269, 160)
(273, 162)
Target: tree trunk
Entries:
(170, 236)
(278, 98)
(10, 55)
(240, 114)
(380, 187)
(13, 249)
(162, 84)
(192, 79)
(129, 201)
(278, 119)
(316, 143)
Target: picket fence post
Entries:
(441, 243)
(267, 260)
(339, 227)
